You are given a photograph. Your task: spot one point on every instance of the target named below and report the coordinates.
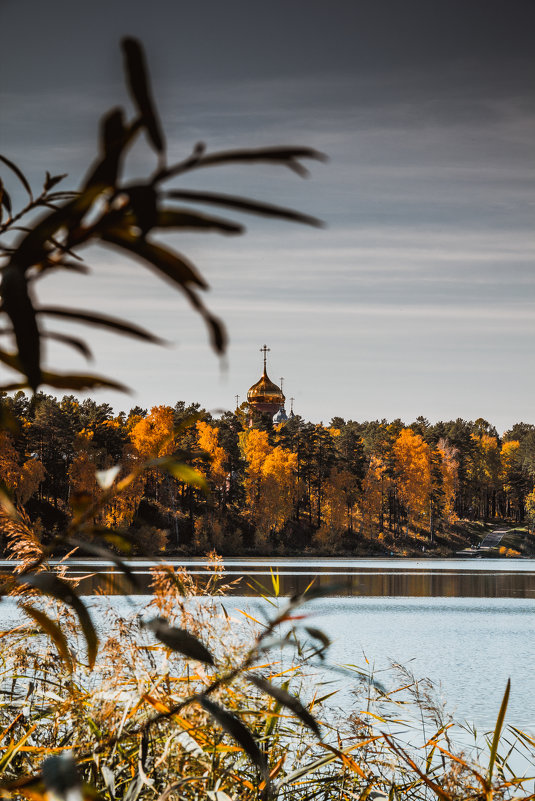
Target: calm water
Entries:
(453, 578)
(468, 625)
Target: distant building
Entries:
(266, 397)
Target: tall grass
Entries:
(243, 716)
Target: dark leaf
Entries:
(113, 140)
(169, 218)
(80, 381)
(17, 303)
(287, 156)
(174, 266)
(73, 342)
(6, 199)
(11, 359)
(287, 700)
(63, 195)
(52, 180)
(119, 539)
(18, 173)
(112, 132)
(319, 635)
(31, 248)
(80, 501)
(50, 584)
(51, 628)
(94, 318)
(14, 386)
(61, 777)
(71, 266)
(218, 334)
(138, 84)
(239, 732)
(104, 553)
(180, 640)
(244, 204)
(143, 202)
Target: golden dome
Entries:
(265, 391)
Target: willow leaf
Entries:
(138, 83)
(194, 220)
(180, 640)
(233, 725)
(103, 320)
(73, 342)
(80, 381)
(244, 204)
(18, 305)
(104, 553)
(172, 265)
(50, 584)
(287, 700)
(18, 172)
(55, 633)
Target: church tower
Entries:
(265, 396)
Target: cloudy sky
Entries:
(418, 295)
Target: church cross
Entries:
(292, 404)
(265, 350)
(282, 379)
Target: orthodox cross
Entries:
(292, 404)
(265, 350)
(282, 379)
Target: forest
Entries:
(249, 486)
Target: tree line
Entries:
(288, 486)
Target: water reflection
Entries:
(485, 578)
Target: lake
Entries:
(468, 625)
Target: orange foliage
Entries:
(153, 435)
(449, 471)
(208, 439)
(373, 489)
(22, 479)
(413, 467)
(270, 482)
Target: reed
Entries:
(186, 702)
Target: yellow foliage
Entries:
(485, 464)
(373, 489)
(449, 471)
(22, 479)
(270, 482)
(152, 435)
(413, 466)
(508, 457)
(208, 439)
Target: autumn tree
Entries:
(270, 483)
(22, 476)
(413, 475)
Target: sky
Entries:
(416, 298)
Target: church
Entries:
(266, 397)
